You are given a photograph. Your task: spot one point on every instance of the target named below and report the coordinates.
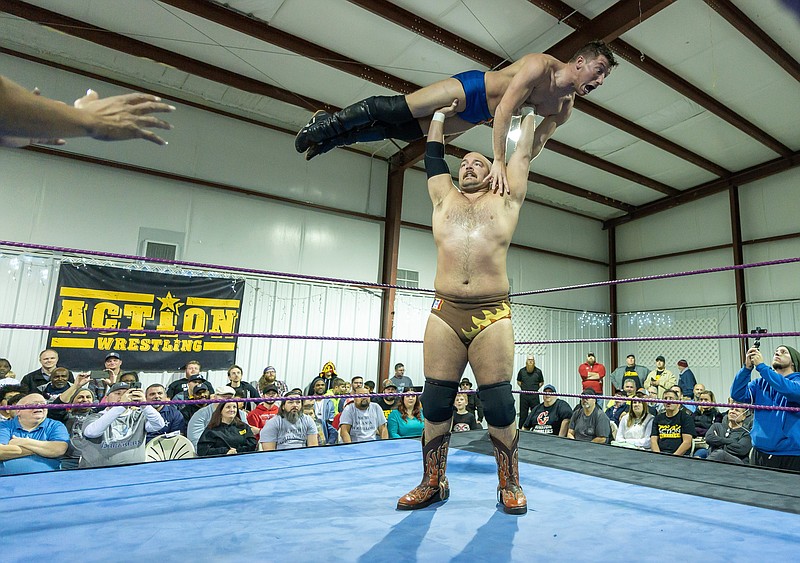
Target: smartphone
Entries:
(98, 374)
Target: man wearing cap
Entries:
(661, 377)
(388, 404)
(31, 442)
(265, 410)
(775, 434)
(686, 380)
(631, 370)
(551, 416)
(592, 373)
(118, 434)
(588, 423)
(473, 401)
(270, 377)
(529, 378)
(199, 421)
(291, 429)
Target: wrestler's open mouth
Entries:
(588, 88)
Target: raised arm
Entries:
(439, 180)
(515, 95)
(520, 161)
(23, 114)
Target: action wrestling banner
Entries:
(114, 298)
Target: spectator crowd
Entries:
(267, 415)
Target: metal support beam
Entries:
(738, 259)
(391, 249)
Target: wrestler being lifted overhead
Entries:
(536, 80)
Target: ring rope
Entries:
(17, 326)
(62, 249)
(62, 406)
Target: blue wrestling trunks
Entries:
(475, 88)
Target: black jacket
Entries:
(217, 441)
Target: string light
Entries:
(650, 320)
(594, 320)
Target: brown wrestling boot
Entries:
(434, 486)
(509, 493)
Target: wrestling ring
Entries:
(585, 502)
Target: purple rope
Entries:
(67, 250)
(62, 406)
(658, 276)
(654, 338)
(223, 334)
(664, 401)
(376, 339)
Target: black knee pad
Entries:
(390, 109)
(498, 404)
(437, 399)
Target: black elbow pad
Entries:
(434, 159)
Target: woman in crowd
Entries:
(73, 420)
(406, 421)
(635, 427)
(705, 415)
(226, 433)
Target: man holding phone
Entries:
(105, 378)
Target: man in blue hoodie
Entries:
(775, 434)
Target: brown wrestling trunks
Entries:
(468, 317)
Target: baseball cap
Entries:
(119, 386)
(202, 386)
(467, 381)
(226, 390)
(550, 388)
(641, 390)
(660, 359)
(388, 383)
(269, 368)
(112, 355)
(296, 391)
(196, 377)
(683, 363)
(268, 388)
(589, 392)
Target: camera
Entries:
(758, 331)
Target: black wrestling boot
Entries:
(509, 493)
(318, 116)
(321, 130)
(408, 131)
(434, 486)
(386, 110)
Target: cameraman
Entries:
(775, 434)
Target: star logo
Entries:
(170, 303)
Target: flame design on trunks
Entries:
(468, 318)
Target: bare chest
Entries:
(548, 103)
